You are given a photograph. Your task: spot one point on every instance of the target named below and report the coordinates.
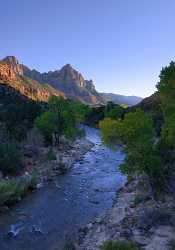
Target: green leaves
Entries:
(46, 124)
(61, 119)
(137, 134)
(166, 90)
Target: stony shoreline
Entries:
(65, 156)
(136, 217)
(39, 169)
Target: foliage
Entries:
(65, 117)
(46, 124)
(97, 114)
(12, 191)
(114, 113)
(33, 179)
(136, 131)
(81, 110)
(10, 158)
(51, 155)
(61, 119)
(110, 131)
(118, 245)
(17, 114)
(166, 90)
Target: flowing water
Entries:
(46, 219)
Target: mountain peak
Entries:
(14, 64)
(11, 60)
(68, 65)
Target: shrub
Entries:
(12, 191)
(110, 131)
(118, 245)
(51, 155)
(10, 158)
(33, 179)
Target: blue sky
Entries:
(121, 44)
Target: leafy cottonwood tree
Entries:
(61, 119)
(166, 90)
(136, 131)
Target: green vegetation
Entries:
(96, 114)
(17, 115)
(12, 191)
(51, 155)
(136, 131)
(166, 89)
(109, 129)
(10, 158)
(149, 135)
(118, 245)
(61, 118)
(113, 111)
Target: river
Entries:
(45, 219)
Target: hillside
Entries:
(66, 82)
(11, 76)
(121, 99)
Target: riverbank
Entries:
(136, 217)
(41, 165)
(47, 218)
(59, 160)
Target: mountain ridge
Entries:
(122, 99)
(66, 82)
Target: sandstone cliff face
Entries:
(65, 82)
(69, 81)
(27, 87)
(14, 64)
(6, 73)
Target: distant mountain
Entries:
(66, 82)
(121, 99)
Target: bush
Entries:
(33, 180)
(10, 158)
(12, 191)
(118, 245)
(110, 131)
(51, 155)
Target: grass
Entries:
(118, 245)
(11, 191)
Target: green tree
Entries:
(137, 133)
(110, 131)
(166, 91)
(46, 124)
(114, 113)
(59, 120)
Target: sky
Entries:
(120, 44)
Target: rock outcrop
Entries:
(70, 82)
(11, 76)
(6, 73)
(67, 81)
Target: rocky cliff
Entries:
(66, 81)
(12, 76)
(69, 81)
